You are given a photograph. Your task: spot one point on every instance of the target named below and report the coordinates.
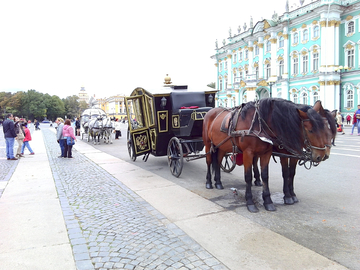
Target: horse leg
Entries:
(208, 174)
(285, 174)
(264, 162)
(292, 169)
(257, 181)
(216, 166)
(248, 159)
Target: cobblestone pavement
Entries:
(7, 167)
(111, 227)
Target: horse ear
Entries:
(333, 113)
(302, 114)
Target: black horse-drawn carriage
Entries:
(167, 122)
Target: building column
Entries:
(251, 58)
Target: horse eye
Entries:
(310, 131)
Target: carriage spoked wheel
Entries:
(130, 147)
(175, 156)
(228, 162)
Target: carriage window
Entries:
(150, 109)
(136, 114)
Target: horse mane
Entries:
(332, 122)
(315, 118)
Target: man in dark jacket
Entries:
(10, 135)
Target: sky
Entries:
(113, 46)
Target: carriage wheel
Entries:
(228, 163)
(82, 135)
(130, 147)
(175, 156)
(88, 137)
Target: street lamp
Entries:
(340, 69)
(271, 81)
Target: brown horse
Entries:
(252, 129)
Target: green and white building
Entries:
(309, 53)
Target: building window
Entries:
(316, 97)
(268, 46)
(296, 66)
(234, 57)
(350, 99)
(304, 98)
(221, 85)
(257, 72)
(281, 42)
(315, 61)
(241, 74)
(221, 67)
(305, 63)
(256, 50)
(281, 68)
(246, 54)
(226, 65)
(350, 58)
(267, 71)
(305, 35)
(226, 84)
(240, 56)
(278, 94)
(316, 31)
(295, 98)
(350, 28)
(296, 38)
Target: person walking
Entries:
(357, 116)
(339, 121)
(27, 139)
(77, 126)
(59, 135)
(10, 135)
(348, 119)
(117, 129)
(68, 132)
(20, 136)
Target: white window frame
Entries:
(268, 46)
(257, 72)
(221, 67)
(350, 58)
(296, 38)
(226, 65)
(267, 71)
(240, 56)
(315, 61)
(221, 85)
(295, 98)
(305, 36)
(349, 98)
(281, 67)
(350, 27)
(234, 58)
(246, 54)
(305, 63)
(316, 30)
(316, 96)
(281, 42)
(296, 65)
(304, 98)
(256, 49)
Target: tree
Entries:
(54, 107)
(211, 85)
(4, 101)
(82, 106)
(34, 105)
(71, 106)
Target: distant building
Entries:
(309, 53)
(114, 106)
(83, 95)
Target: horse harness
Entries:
(229, 123)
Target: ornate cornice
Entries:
(263, 83)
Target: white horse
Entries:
(95, 129)
(108, 128)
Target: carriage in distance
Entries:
(167, 121)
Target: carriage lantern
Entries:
(210, 98)
(163, 102)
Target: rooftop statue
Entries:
(230, 32)
(245, 26)
(239, 29)
(251, 22)
(287, 6)
(216, 44)
(224, 42)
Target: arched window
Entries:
(296, 66)
(246, 54)
(316, 61)
(281, 42)
(305, 64)
(221, 85)
(268, 46)
(316, 96)
(278, 94)
(221, 67)
(304, 98)
(350, 28)
(267, 71)
(349, 98)
(350, 58)
(296, 38)
(295, 98)
(305, 35)
(257, 72)
(240, 56)
(316, 31)
(234, 57)
(281, 68)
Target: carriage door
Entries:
(138, 130)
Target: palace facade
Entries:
(309, 53)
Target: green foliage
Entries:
(34, 105)
(211, 85)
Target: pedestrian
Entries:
(348, 119)
(10, 135)
(339, 121)
(20, 136)
(68, 133)
(37, 124)
(357, 115)
(59, 135)
(117, 129)
(27, 139)
(77, 126)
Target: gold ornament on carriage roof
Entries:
(167, 79)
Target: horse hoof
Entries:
(209, 186)
(270, 207)
(252, 208)
(258, 183)
(219, 186)
(288, 201)
(295, 199)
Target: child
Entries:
(26, 141)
